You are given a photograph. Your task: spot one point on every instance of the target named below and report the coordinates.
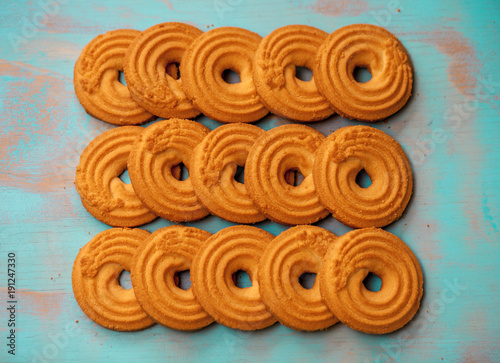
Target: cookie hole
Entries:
(125, 280)
(180, 172)
(230, 76)
(124, 177)
(372, 282)
(307, 279)
(182, 279)
(294, 177)
(239, 175)
(363, 179)
(121, 78)
(241, 279)
(173, 70)
(361, 74)
(303, 73)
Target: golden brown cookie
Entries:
(155, 268)
(96, 80)
(96, 285)
(228, 251)
(364, 46)
(214, 164)
(98, 182)
(202, 70)
(342, 156)
(151, 69)
(273, 157)
(294, 252)
(346, 264)
(154, 158)
(274, 73)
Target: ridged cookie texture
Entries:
(276, 155)
(275, 76)
(342, 156)
(97, 84)
(215, 162)
(379, 51)
(151, 69)
(154, 167)
(98, 181)
(96, 285)
(347, 263)
(228, 251)
(296, 251)
(202, 68)
(155, 277)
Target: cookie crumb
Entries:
(76, 321)
(399, 10)
(427, 226)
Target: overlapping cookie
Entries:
(274, 265)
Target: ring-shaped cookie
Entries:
(202, 68)
(96, 285)
(96, 80)
(221, 256)
(274, 73)
(155, 268)
(281, 150)
(346, 264)
(215, 161)
(379, 51)
(148, 74)
(294, 252)
(342, 156)
(98, 181)
(154, 156)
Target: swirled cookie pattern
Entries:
(204, 63)
(154, 158)
(96, 285)
(342, 156)
(274, 73)
(151, 69)
(274, 265)
(98, 181)
(215, 162)
(379, 51)
(294, 252)
(228, 251)
(275, 155)
(155, 277)
(346, 264)
(96, 80)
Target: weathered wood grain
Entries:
(449, 129)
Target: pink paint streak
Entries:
(58, 23)
(463, 67)
(339, 8)
(45, 305)
(38, 154)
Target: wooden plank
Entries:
(449, 129)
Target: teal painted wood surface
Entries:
(449, 129)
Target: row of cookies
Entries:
(174, 70)
(274, 265)
(272, 160)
